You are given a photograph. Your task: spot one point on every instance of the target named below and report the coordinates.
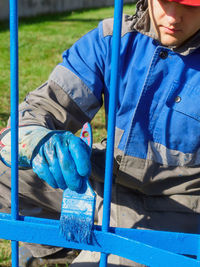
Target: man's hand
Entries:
(58, 157)
(63, 161)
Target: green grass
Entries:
(5, 253)
(41, 43)
(42, 40)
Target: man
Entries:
(157, 163)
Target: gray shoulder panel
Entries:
(76, 89)
(127, 25)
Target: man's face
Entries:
(174, 22)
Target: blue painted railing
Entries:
(111, 120)
(14, 120)
(152, 248)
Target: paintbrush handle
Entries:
(86, 134)
(78, 207)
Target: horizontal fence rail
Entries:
(153, 248)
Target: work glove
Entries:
(58, 157)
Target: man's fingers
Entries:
(50, 153)
(68, 167)
(80, 152)
(41, 168)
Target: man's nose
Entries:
(174, 13)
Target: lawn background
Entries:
(42, 40)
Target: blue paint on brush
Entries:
(77, 216)
(78, 208)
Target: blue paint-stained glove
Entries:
(58, 157)
(63, 161)
(29, 137)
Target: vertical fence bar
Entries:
(14, 119)
(115, 74)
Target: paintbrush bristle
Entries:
(78, 208)
(76, 228)
(77, 214)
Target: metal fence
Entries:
(152, 248)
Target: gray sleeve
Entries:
(62, 103)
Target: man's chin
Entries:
(170, 41)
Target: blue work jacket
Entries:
(157, 144)
(158, 114)
(158, 98)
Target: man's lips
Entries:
(170, 30)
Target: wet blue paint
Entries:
(78, 207)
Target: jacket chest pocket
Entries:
(185, 100)
(178, 125)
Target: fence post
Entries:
(115, 74)
(14, 119)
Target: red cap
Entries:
(187, 2)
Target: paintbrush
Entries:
(78, 208)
